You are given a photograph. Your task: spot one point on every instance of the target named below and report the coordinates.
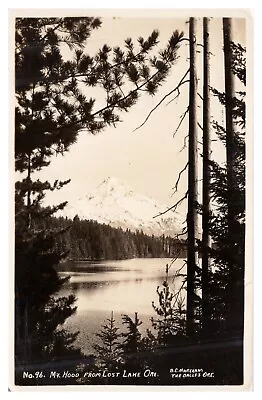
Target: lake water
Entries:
(124, 287)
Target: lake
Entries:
(122, 286)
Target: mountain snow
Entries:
(118, 205)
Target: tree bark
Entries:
(229, 96)
(206, 177)
(29, 191)
(192, 184)
(232, 318)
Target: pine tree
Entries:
(170, 324)
(137, 350)
(226, 282)
(39, 315)
(206, 176)
(109, 351)
(192, 186)
(132, 338)
(51, 109)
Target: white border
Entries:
(158, 12)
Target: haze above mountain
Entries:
(118, 205)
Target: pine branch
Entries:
(179, 291)
(171, 263)
(177, 273)
(52, 30)
(179, 176)
(112, 105)
(184, 145)
(161, 101)
(178, 91)
(198, 124)
(174, 207)
(110, 67)
(184, 232)
(200, 96)
(181, 120)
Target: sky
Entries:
(148, 159)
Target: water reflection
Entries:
(126, 286)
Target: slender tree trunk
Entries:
(229, 96)
(229, 92)
(192, 184)
(29, 170)
(29, 192)
(206, 177)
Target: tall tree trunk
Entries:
(206, 177)
(192, 184)
(229, 93)
(28, 204)
(229, 96)
(29, 181)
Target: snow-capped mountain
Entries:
(118, 205)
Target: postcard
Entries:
(131, 184)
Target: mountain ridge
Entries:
(118, 205)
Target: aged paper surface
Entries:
(99, 116)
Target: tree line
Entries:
(90, 240)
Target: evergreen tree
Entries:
(136, 350)
(171, 320)
(39, 315)
(226, 280)
(132, 338)
(109, 351)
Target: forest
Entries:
(89, 240)
(205, 335)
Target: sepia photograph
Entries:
(131, 263)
